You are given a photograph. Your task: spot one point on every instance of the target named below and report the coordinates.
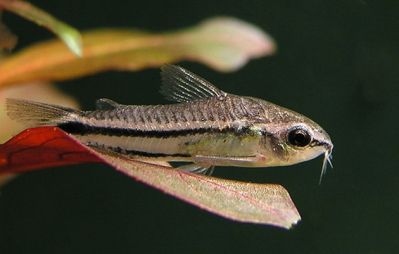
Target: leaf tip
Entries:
(228, 43)
(73, 40)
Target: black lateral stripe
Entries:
(145, 154)
(84, 129)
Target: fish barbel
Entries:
(207, 127)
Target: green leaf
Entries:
(222, 43)
(70, 36)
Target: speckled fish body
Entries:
(206, 126)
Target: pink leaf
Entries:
(42, 147)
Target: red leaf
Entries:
(42, 147)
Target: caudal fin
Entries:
(36, 113)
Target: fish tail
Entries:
(38, 114)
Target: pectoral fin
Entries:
(225, 161)
(197, 169)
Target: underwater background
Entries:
(337, 63)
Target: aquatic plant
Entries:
(223, 43)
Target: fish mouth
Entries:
(327, 158)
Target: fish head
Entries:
(291, 138)
(302, 141)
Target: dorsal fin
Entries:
(181, 85)
(106, 104)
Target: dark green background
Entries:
(337, 63)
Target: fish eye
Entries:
(299, 137)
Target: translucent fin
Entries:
(149, 161)
(197, 169)
(181, 85)
(220, 160)
(36, 113)
(106, 104)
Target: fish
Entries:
(204, 127)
